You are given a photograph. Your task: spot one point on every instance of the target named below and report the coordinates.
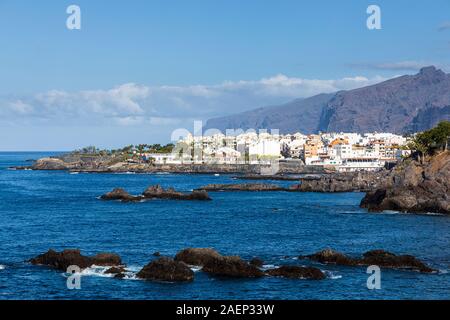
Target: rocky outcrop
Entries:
(233, 267)
(389, 260)
(257, 262)
(73, 257)
(267, 177)
(341, 182)
(296, 272)
(166, 269)
(113, 164)
(50, 164)
(242, 187)
(379, 258)
(120, 194)
(329, 256)
(197, 256)
(155, 192)
(414, 187)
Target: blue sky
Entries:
(138, 69)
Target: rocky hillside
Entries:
(408, 103)
(415, 187)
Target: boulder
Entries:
(166, 269)
(106, 259)
(329, 256)
(386, 259)
(157, 192)
(379, 258)
(257, 262)
(197, 256)
(115, 270)
(296, 272)
(120, 194)
(232, 267)
(73, 257)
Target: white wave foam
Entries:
(96, 271)
(269, 266)
(2, 267)
(76, 172)
(195, 268)
(332, 275)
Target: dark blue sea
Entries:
(42, 210)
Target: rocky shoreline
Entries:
(414, 187)
(211, 262)
(106, 165)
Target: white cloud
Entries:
(133, 105)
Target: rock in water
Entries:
(257, 262)
(329, 256)
(242, 187)
(295, 272)
(114, 270)
(73, 257)
(389, 260)
(120, 194)
(166, 269)
(414, 187)
(157, 192)
(197, 256)
(379, 258)
(232, 267)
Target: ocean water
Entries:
(42, 210)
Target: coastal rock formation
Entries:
(242, 187)
(50, 164)
(295, 272)
(341, 182)
(197, 256)
(389, 260)
(257, 262)
(414, 187)
(115, 270)
(267, 177)
(73, 257)
(166, 269)
(232, 267)
(120, 194)
(329, 256)
(380, 258)
(157, 192)
(115, 164)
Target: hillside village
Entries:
(341, 151)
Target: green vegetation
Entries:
(431, 141)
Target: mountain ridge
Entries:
(404, 104)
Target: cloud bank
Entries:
(133, 104)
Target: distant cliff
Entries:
(405, 104)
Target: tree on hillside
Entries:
(431, 141)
